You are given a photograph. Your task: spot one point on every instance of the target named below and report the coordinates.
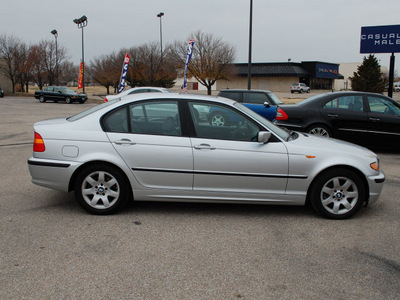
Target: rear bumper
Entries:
(52, 174)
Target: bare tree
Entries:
(103, 70)
(9, 52)
(212, 59)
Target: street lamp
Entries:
(159, 16)
(250, 42)
(82, 22)
(55, 33)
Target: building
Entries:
(279, 76)
(5, 83)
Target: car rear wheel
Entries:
(319, 130)
(101, 189)
(41, 99)
(219, 119)
(68, 100)
(338, 194)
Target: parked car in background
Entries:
(158, 147)
(137, 90)
(299, 88)
(364, 118)
(59, 93)
(261, 101)
(1, 93)
(396, 86)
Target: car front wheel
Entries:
(68, 100)
(41, 99)
(101, 189)
(338, 194)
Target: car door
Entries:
(228, 158)
(384, 119)
(260, 103)
(148, 136)
(347, 117)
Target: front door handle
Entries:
(204, 147)
(332, 116)
(125, 142)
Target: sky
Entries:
(300, 30)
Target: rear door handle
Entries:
(125, 142)
(375, 119)
(204, 147)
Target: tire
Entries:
(309, 91)
(337, 194)
(319, 130)
(68, 100)
(101, 189)
(292, 92)
(301, 91)
(219, 119)
(41, 99)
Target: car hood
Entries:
(307, 143)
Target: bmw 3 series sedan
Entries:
(162, 147)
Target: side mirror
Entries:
(263, 137)
(266, 104)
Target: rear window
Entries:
(230, 95)
(92, 110)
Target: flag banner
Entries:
(188, 57)
(80, 80)
(123, 74)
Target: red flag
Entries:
(80, 80)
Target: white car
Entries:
(299, 88)
(137, 90)
(161, 147)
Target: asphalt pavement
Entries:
(51, 249)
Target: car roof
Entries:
(243, 90)
(174, 96)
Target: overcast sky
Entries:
(308, 30)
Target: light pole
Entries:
(250, 42)
(159, 16)
(55, 33)
(82, 22)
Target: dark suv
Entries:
(261, 101)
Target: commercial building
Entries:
(278, 76)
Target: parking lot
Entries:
(51, 249)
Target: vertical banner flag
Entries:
(80, 80)
(188, 57)
(123, 74)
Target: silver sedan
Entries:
(163, 147)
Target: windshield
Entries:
(277, 130)
(92, 110)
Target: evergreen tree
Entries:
(368, 77)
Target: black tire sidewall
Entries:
(123, 183)
(322, 179)
(68, 100)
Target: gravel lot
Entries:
(51, 249)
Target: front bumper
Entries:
(375, 186)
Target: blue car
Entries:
(260, 101)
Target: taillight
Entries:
(38, 143)
(105, 99)
(281, 115)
